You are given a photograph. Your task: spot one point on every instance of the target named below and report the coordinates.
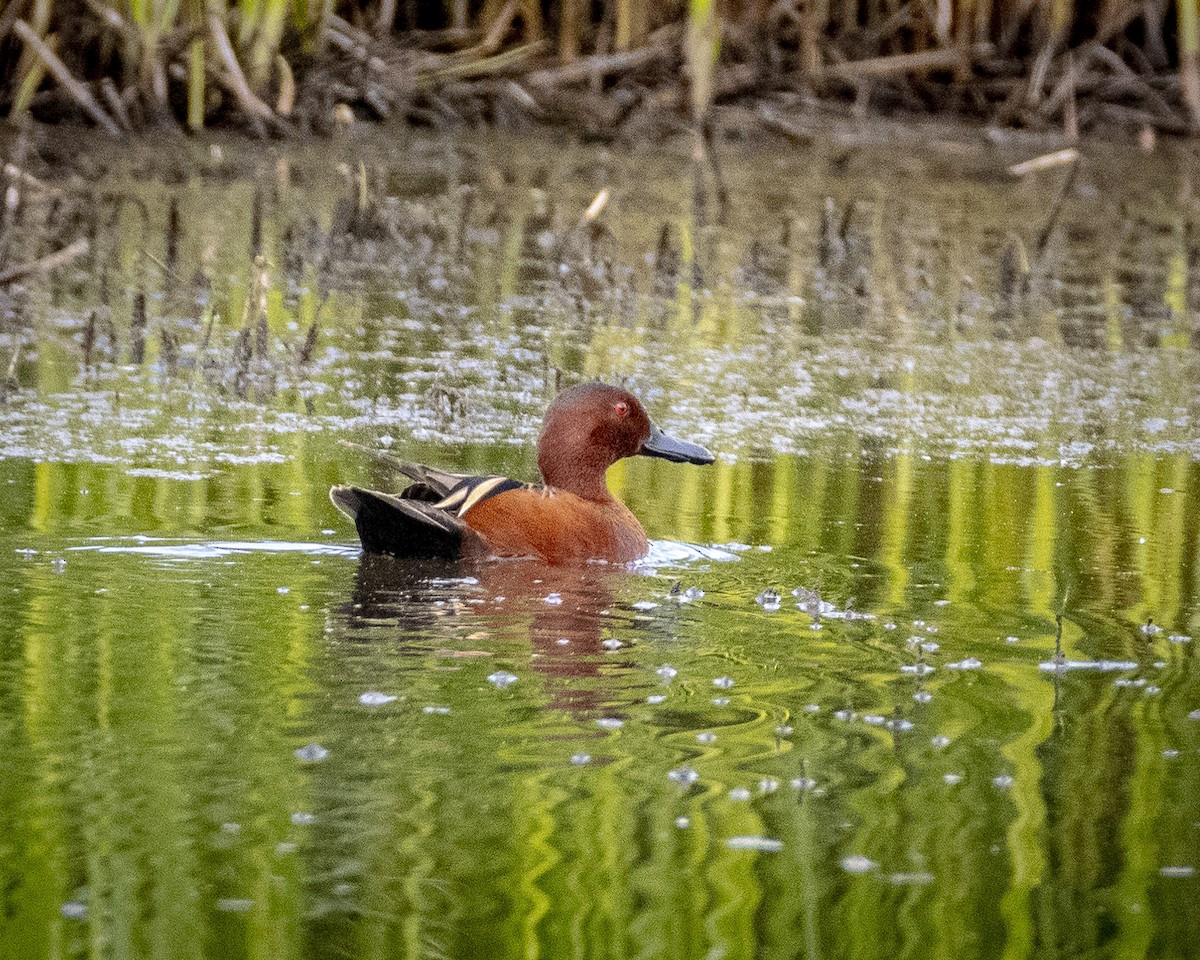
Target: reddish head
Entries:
(590, 427)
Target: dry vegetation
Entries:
(605, 68)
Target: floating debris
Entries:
(769, 600)
(667, 672)
(1179, 638)
(74, 910)
(739, 794)
(580, 759)
(969, 664)
(1003, 782)
(1180, 872)
(691, 595)
(312, 753)
(373, 698)
(553, 599)
(953, 779)
(234, 905)
(784, 730)
(812, 708)
(302, 818)
(941, 741)
(436, 709)
(802, 783)
(1102, 666)
(917, 879)
(720, 701)
(612, 643)
(502, 679)
(918, 669)
(610, 723)
(758, 844)
(857, 863)
(644, 605)
(656, 698)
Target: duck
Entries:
(568, 518)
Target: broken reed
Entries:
(129, 60)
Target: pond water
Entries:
(908, 672)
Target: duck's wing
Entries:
(415, 523)
(430, 483)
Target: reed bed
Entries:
(640, 68)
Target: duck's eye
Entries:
(622, 409)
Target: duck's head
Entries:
(591, 426)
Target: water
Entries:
(833, 714)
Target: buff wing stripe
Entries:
(474, 490)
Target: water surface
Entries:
(909, 671)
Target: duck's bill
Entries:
(677, 451)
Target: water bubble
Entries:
(914, 641)
(813, 708)
(59, 565)
(580, 759)
(723, 683)
(683, 822)
(1170, 754)
(553, 599)
(1194, 715)
(1179, 638)
(768, 785)
(759, 844)
(969, 664)
(312, 753)
(373, 698)
(562, 641)
(706, 737)
(691, 594)
(1012, 639)
(889, 626)
(685, 775)
(784, 731)
(930, 646)
(739, 794)
(845, 715)
(922, 696)
(502, 679)
(920, 669)
(873, 719)
(899, 725)
(283, 590)
(952, 778)
(656, 698)
(436, 709)
(768, 600)
(610, 723)
(1150, 628)
(302, 818)
(1177, 872)
(1152, 690)
(285, 847)
(720, 701)
(612, 643)
(74, 910)
(941, 741)
(1003, 782)
(802, 783)
(644, 605)
(667, 672)
(857, 863)
(234, 905)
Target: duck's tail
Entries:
(388, 523)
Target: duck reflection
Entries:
(567, 613)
